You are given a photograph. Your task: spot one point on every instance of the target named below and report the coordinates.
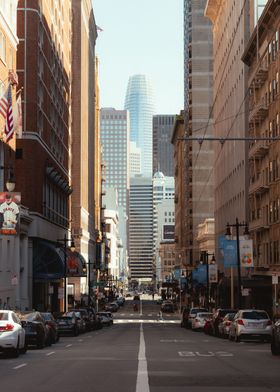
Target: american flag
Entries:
(9, 127)
(4, 104)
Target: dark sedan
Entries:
(51, 322)
(68, 323)
(37, 332)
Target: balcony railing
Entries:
(259, 224)
(259, 75)
(258, 113)
(259, 186)
(259, 149)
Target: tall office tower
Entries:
(230, 110)
(163, 189)
(114, 129)
(134, 159)
(139, 101)
(141, 228)
(199, 157)
(162, 147)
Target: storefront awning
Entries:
(49, 262)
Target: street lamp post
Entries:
(238, 224)
(204, 257)
(65, 240)
(85, 270)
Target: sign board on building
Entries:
(274, 278)
(168, 232)
(9, 212)
(246, 253)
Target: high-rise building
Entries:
(114, 129)
(134, 160)
(199, 157)
(230, 110)
(141, 228)
(162, 147)
(139, 101)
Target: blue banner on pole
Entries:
(199, 274)
(230, 253)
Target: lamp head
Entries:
(228, 232)
(72, 246)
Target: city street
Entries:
(142, 353)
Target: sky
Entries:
(140, 36)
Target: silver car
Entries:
(199, 320)
(250, 324)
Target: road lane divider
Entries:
(142, 382)
(20, 366)
(51, 353)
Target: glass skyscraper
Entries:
(139, 101)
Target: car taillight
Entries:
(240, 322)
(269, 322)
(227, 323)
(7, 327)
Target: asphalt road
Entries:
(142, 353)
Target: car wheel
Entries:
(75, 332)
(40, 343)
(237, 338)
(15, 351)
(24, 349)
(275, 350)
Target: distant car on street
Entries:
(199, 320)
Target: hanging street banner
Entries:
(230, 253)
(199, 274)
(246, 253)
(9, 212)
(213, 273)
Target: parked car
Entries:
(208, 327)
(218, 316)
(97, 324)
(167, 307)
(199, 320)
(87, 319)
(106, 318)
(12, 334)
(68, 323)
(185, 316)
(275, 337)
(37, 332)
(120, 301)
(112, 307)
(251, 323)
(51, 322)
(224, 325)
(192, 314)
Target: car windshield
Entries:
(4, 316)
(203, 315)
(197, 310)
(27, 316)
(255, 315)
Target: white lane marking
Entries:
(142, 382)
(137, 321)
(141, 308)
(52, 352)
(80, 340)
(69, 345)
(20, 366)
(205, 354)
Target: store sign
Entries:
(9, 212)
(168, 232)
(230, 253)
